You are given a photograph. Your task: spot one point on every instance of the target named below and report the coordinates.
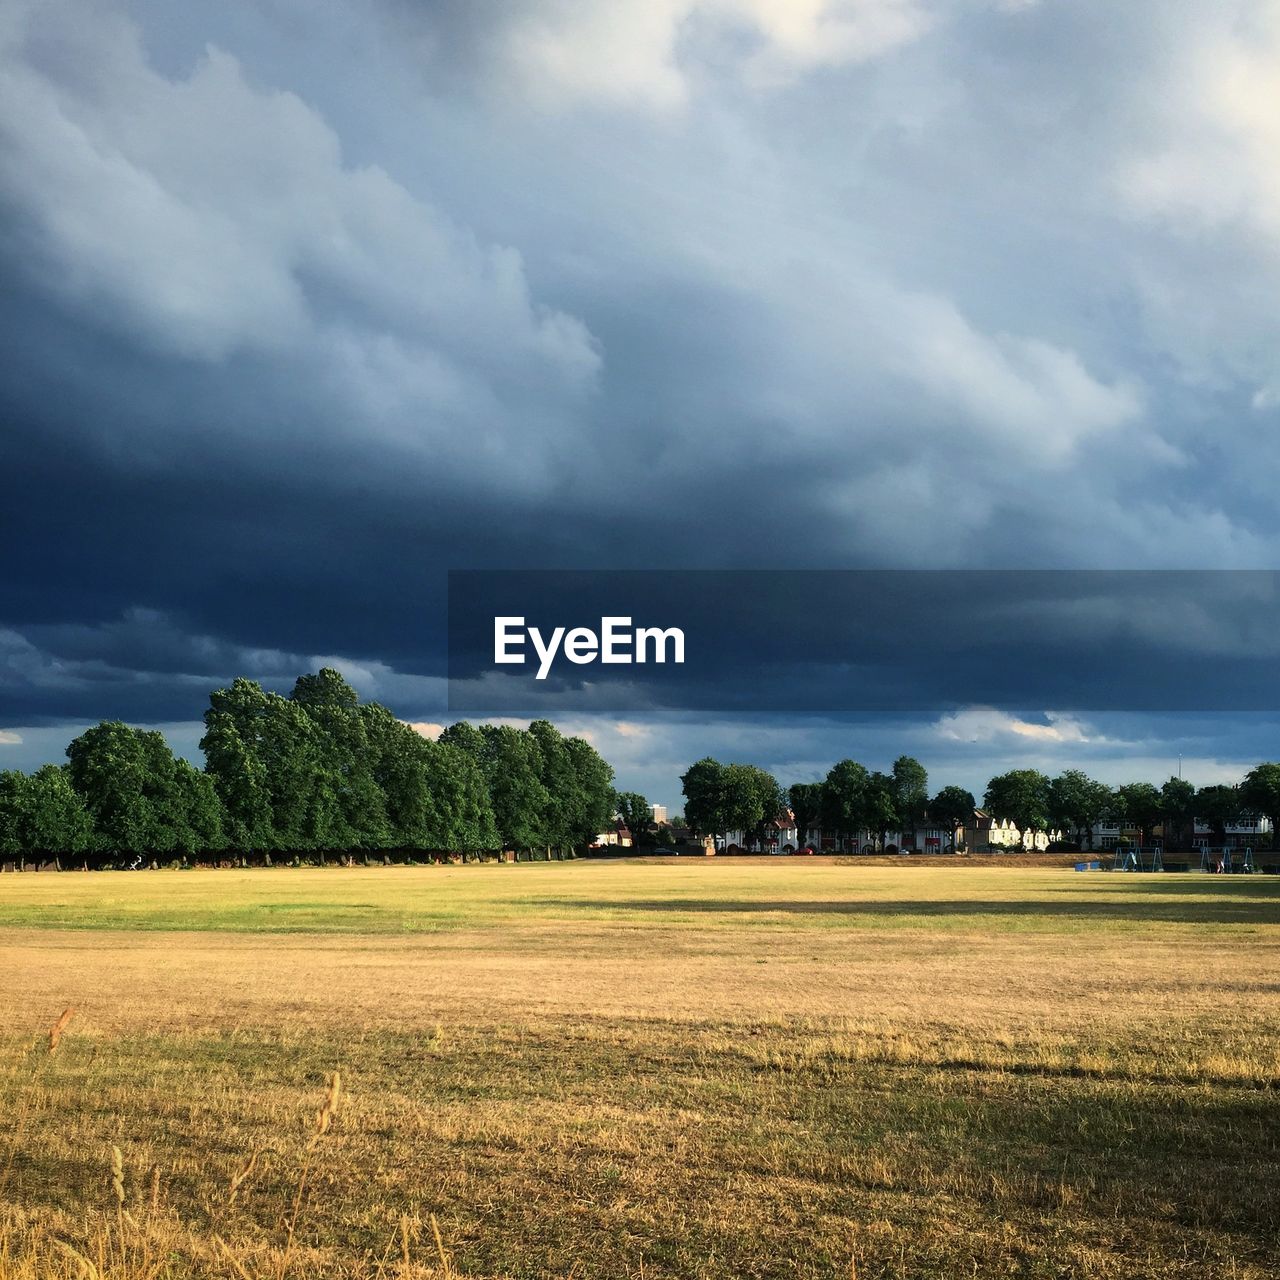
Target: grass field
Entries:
(752, 1068)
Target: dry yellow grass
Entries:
(769, 1070)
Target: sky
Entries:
(304, 305)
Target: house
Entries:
(1248, 833)
(618, 835)
(780, 836)
(1004, 835)
(1106, 835)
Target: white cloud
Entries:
(10, 739)
(1217, 165)
(1036, 397)
(426, 728)
(643, 51)
(988, 724)
(209, 217)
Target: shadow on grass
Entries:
(1221, 911)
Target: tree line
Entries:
(315, 772)
(853, 800)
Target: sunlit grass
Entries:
(772, 1069)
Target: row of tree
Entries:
(315, 772)
(1075, 803)
(852, 801)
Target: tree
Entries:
(844, 799)
(720, 798)
(703, 784)
(806, 807)
(1022, 795)
(579, 785)
(193, 812)
(435, 793)
(512, 765)
(55, 820)
(1139, 803)
(235, 725)
(882, 814)
(139, 798)
(1177, 812)
(114, 772)
(910, 793)
(347, 809)
(42, 815)
(1260, 791)
(954, 806)
(1077, 803)
(459, 816)
(636, 813)
(751, 798)
(1219, 806)
(13, 787)
(597, 799)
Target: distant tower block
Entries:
(659, 812)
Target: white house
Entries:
(1248, 833)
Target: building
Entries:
(617, 835)
(659, 812)
(1106, 835)
(780, 836)
(1248, 833)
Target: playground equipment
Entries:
(1138, 857)
(1225, 860)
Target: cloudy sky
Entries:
(306, 303)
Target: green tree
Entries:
(910, 793)
(435, 793)
(703, 784)
(1077, 802)
(566, 798)
(347, 808)
(1219, 806)
(13, 786)
(511, 764)
(954, 806)
(1022, 795)
(1138, 803)
(806, 807)
(461, 815)
(1177, 813)
(42, 815)
(139, 798)
(236, 759)
(597, 800)
(55, 821)
(192, 812)
(113, 771)
(636, 813)
(844, 799)
(1260, 791)
(751, 799)
(882, 812)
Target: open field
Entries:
(747, 1068)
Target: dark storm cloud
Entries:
(867, 640)
(297, 315)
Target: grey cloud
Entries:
(300, 313)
